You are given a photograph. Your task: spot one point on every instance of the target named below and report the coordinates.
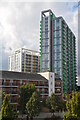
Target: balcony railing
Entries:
(59, 93)
(11, 92)
(44, 93)
(14, 92)
(41, 86)
(15, 84)
(57, 86)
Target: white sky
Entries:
(19, 23)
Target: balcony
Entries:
(14, 84)
(9, 85)
(14, 102)
(57, 86)
(57, 93)
(7, 92)
(44, 93)
(14, 93)
(42, 85)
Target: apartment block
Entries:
(58, 49)
(45, 84)
(24, 60)
(10, 83)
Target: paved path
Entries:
(42, 116)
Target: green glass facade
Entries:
(68, 58)
(58, 49)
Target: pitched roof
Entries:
(20, 75)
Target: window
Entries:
(51, 83)
(46, 34)
(51, 90)
(45, 64)
(58, 83)
(51, 76)
(53, 34)
(46, 29)
(46, 43)
(45, 49)
(58, 90)
(57, 33)
(38, 89)
(43, 35)
(46, 25)
(57, 48)
(43, 23)
(53, 25)
(46, 18)
(57, 24)
(57, 64)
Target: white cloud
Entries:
(19, 23)
(39, 1)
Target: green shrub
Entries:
(69, 117)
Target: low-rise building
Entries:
(10, 83)
(55, 83)
(45, 84)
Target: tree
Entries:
(33, 105)
(7, 109)
(62, 104)
(54, 100)
(73, 106)
(48, 103)
(54, 103)
(25, 94)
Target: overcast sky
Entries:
(19, 24)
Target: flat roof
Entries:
(20, 75)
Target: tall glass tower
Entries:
(58, 49)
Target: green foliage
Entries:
(7, 109)
(62, 104)
(48, 103)
(33, 106)
(54, 103)
(43, 103)
(70, 117)
(25, 94)
(73, 106)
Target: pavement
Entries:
(42, 116)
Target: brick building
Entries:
(45, 84)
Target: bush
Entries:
(71, 117)
(73, 106)
(6, 118)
